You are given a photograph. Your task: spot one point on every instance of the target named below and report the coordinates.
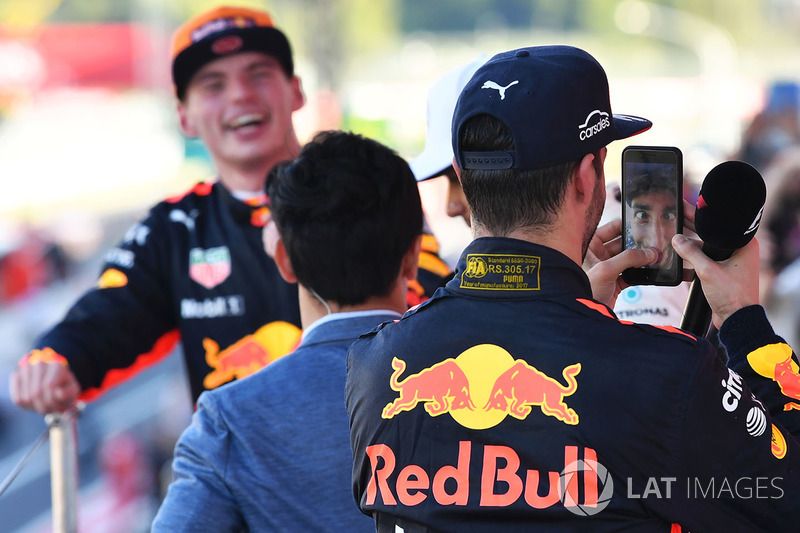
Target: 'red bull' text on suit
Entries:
(193, 270)
(513, 401)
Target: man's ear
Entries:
(410, 263)
(183, 118)
(586, 177)
(283, 262)
(457, 170)
(298, 96)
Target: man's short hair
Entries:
(646, 183)
(347, 209)
(504, 200)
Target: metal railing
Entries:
(64, 470)
(62, 432)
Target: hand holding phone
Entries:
(652, 210)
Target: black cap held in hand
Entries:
(729, 208)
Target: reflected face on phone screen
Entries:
(653, 223)
(651, 191)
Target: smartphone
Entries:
(652, 210)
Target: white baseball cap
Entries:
(437, 155)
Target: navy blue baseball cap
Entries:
(553, 99)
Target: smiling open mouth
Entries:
(242, 121)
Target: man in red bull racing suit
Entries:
(515, 400)
(195, 269)
(272, 452)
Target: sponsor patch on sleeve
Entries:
(112, 278)
(776, 362)
(45, 355)
(501, 272)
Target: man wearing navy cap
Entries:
(515, 400)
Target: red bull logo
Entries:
(250, 353)
(227, 45)
(482, 386)
(775, 362)
(788, 380)
(442, 387)
(523, 386)
(414, 485)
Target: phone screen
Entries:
(652, 210)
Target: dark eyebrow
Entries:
(264, 62)
(646, 207)
(209, 75)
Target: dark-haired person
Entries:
(515, 400)
(652, 205)
(648, 304)
(271, 452)
(194, 269)
(652, 217)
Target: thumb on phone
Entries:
(605, 276)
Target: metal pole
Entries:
(64, 471)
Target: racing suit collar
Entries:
(249, 212)
(500, 267)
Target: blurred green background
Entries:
(87, 112)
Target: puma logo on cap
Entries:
(502, 90)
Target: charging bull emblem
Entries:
(788, 379)
(776, 362)
(481, 387)
(442, 387)
(250, 353)
(523, 386)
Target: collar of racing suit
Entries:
(254, 211)
(504, 268)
